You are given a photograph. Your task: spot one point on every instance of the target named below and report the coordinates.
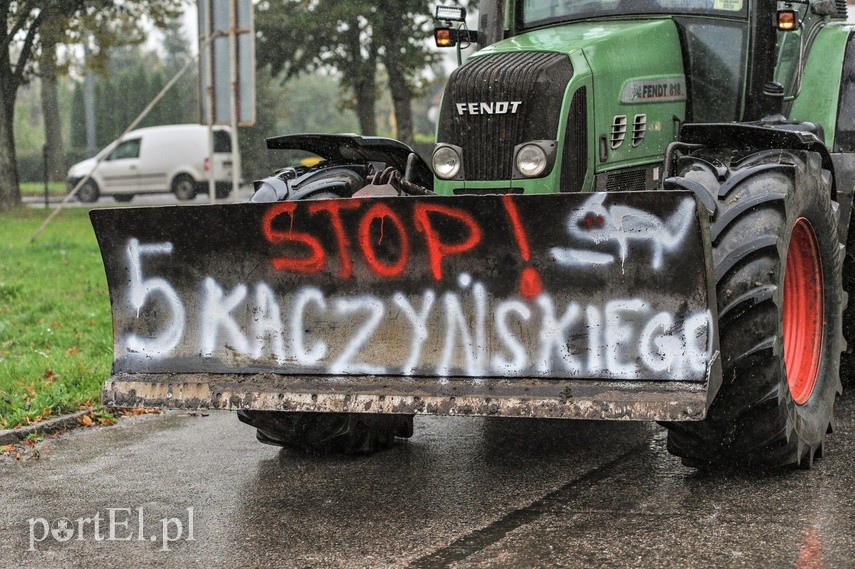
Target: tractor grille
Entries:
(493, 103)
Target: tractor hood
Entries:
(616, 88)
(622, 56)
(630, 38)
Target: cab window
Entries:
(127, 149)
(715, 67)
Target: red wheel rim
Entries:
(803, 311)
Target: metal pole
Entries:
(89, 106)
(233, 61)
(209, 93)
(212, 185)
(45, 172)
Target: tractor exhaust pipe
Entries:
(772, 105)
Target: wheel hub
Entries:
(803, 311)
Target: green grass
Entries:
(38, 188)
(55, 327)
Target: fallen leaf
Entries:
(33, 439)
(85, 420)
(72, 351)
(6, 449)
(50, 377)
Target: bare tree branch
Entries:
(23, 15)
(26, 50)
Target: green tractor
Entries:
(635, 210)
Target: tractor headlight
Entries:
(533, 159)
(446, 161)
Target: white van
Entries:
(158, 159)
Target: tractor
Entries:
(635, 210)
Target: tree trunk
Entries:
(50, 112)
(402, 96)
(10, 194)
(362, 77)
(364, 91)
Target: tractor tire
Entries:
(847, 362)
(89, 192)
(184, 187)
(347, 433)
(778, 270)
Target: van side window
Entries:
(127, 149)
(222, 141)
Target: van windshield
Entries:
(541, 12)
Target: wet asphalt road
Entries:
(461, 493)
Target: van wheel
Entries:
(184, 187)
(89, 192)
(124, 198)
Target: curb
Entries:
(14, 436)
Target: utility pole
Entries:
(89, 104)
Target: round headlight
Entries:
(531, 160)
(446, 162)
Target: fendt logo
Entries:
(497, 108)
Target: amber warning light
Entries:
(443, 37)
(787, 20)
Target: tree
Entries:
(294, 36)
(131, 78)
(403, 30)
(109, 21)
(49, 74)
(297, 36)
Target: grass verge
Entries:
(55, 328)
(38, 188)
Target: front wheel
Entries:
(88, 193)
(778, 266)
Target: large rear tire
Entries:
(778, 266)
(349, 433)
